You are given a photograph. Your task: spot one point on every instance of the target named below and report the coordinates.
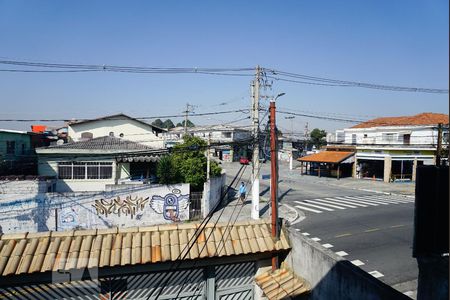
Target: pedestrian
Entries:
(242, 191)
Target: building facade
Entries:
(391, 148)
(119, 126)
(16, 154)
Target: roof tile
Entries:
(41, 252)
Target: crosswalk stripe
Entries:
(357, 201)
(343, 203)
(319, 201)
(378, 199)
(308, 209)
(313, 205)
(366, 200)
(388, 199)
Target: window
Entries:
(85, 170)
(10, 147)
(388, 137)
(353, 139)
(406, 139)
(226, 135)
(365, 135)
(111, 134)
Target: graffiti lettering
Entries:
(128, 206)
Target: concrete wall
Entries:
(332, 277)
(125, 207)
(28, 187)
(212, 191)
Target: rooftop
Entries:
(25, 253)
(114, 117)
(103, 143)
(420, 119)
(334, 157)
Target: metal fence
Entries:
(195, 207)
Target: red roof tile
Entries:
(420, 119)
(333, 157)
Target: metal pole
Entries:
(208, 158)
(439, 145)
(255, 157)
(186, 118)
(273, 180)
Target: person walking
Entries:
(242, 191)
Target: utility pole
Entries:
(439, 145)
(186, 113)
(208, 158)
(274, 179)
(255, 157)
(306, 136)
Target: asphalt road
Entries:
(373, 230)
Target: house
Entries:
(177, 261)
(16, 154)
(119, 126)
(93, 164)
(391, 148)
(228, 142)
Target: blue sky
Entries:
(387, 42)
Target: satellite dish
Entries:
(59, 142)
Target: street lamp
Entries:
(278, 96)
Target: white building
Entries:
(391, 148)
(119, 126)
(228, 142)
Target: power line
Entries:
(280, 75)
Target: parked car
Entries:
(244, 160)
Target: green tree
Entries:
(317, 137)
(189, 124)
(167, 171)
(158, 123)
(190, 162)
(168, 124)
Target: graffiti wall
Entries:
(127, 207)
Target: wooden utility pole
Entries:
(274, 179)
(439, 145)
(255, 157)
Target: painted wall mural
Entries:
(129, 206)
(170, 205)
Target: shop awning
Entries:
(331, 157)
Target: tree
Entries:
(190, 161)
(189, 124)
(158, 123)
(317, 137)
(168, 124)
(167, 171)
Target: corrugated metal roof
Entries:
(333, 157)
(420, 119)
(281, 284)
(103, 143)
(24, 253)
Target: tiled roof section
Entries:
(281, 284)
(333, 157)
(24, 253)
(116, 117)
(103, 143)
(420, 119)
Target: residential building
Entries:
(119, 126)
(228, 142)
(391, 148)
(16, 154)
(92, 164)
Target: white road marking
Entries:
(328, 246)
(321, 202)
(383, 199)
(315, 239)
(365, 200)
(356, 201)
(316, 206)
(338, 202)
(357, 262)
(308, 209)
(305, 233)
(342, 253)
(376, 274)
(297, 229)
